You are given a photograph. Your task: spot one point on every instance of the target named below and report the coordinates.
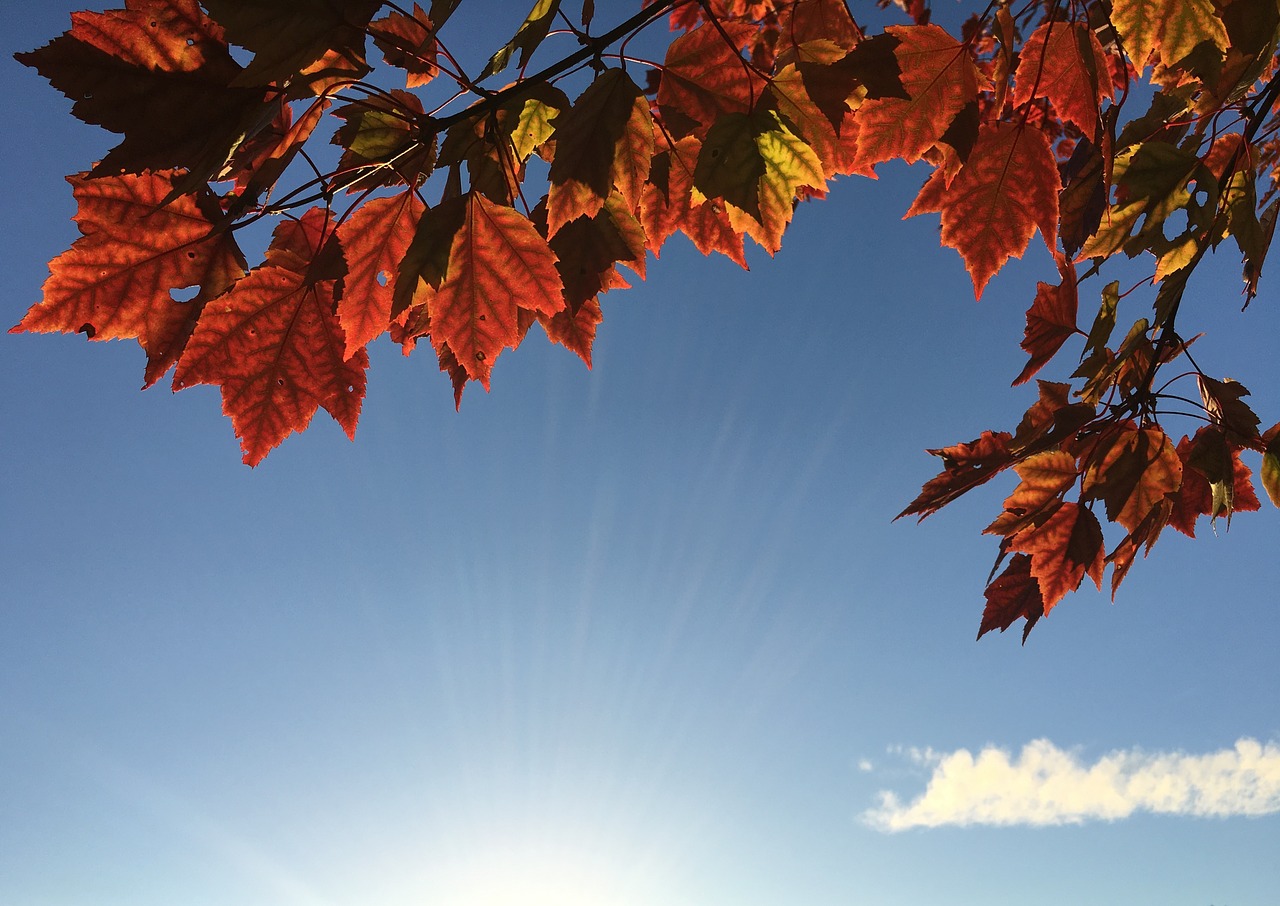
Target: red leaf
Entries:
(667, 209)
(274, 347)
(407, 42)
(115, 281)
(1014, 595)
(965, 466)
(1064, 549)
(375, 239)
(1051, 321)
(497, 265)
(605, 140)
(1138, 470)
(1064, 62)
(704, 76)
(160, 73)
(1007, 189)
(575, 331)
(940, 78)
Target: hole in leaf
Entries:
(351, 388)
(191, 42)
(154, 23)
(482, 318)
(185, 294)
(479, 356)
(279, 382)
(383, 278)
(191, 255)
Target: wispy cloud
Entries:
(1045, 785)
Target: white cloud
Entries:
(865, 765)
(1045, 785)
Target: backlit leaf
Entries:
(1014, 595)
(1007, 190)
(605, 140)
(1133, 471)
(375, 239)
(939, 78)
(1064, 549)
(498, 264)
(115, 280)
(273, 345)
(1064, 62)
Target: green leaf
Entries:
(531, 33)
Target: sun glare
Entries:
(540, 876)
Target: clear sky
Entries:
(643, 635)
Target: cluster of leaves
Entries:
(466, 222)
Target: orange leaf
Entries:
(274, 347)
(375, 239)
(576, 331)
(1015, 594)
(938, 75)
(1051, 321)
(1045, 478)
(1064, 62)
(604, 140)
(497, 265)
(408, 42)
(965, 466)
(1064, 549)
(704, 77)
(1007, 189)
(115, 280)
(669, 207)
(160, 73)
(1138, 470)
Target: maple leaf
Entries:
(757, 165)
(1173, 28)
(588, 248)
(115, 280)
(1006, 190)
(159, 73)
(286, 36)
(806, 21)
(375, 239)
(1014, 595)
(498, 264)
(383, 142)
(965, 466)
(605, 140)
(939, 78)
(704, 77)
(1215, 481)
(1271, 466)
(1051, 321)
(1064, 62)
(1045, 478)
(1064, 549)
(408, 42)
(1133, 470)
(574, 330)
(273, 344)
(532, 31)
(668, 206)
(1226, 408)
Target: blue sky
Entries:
(646, 634)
